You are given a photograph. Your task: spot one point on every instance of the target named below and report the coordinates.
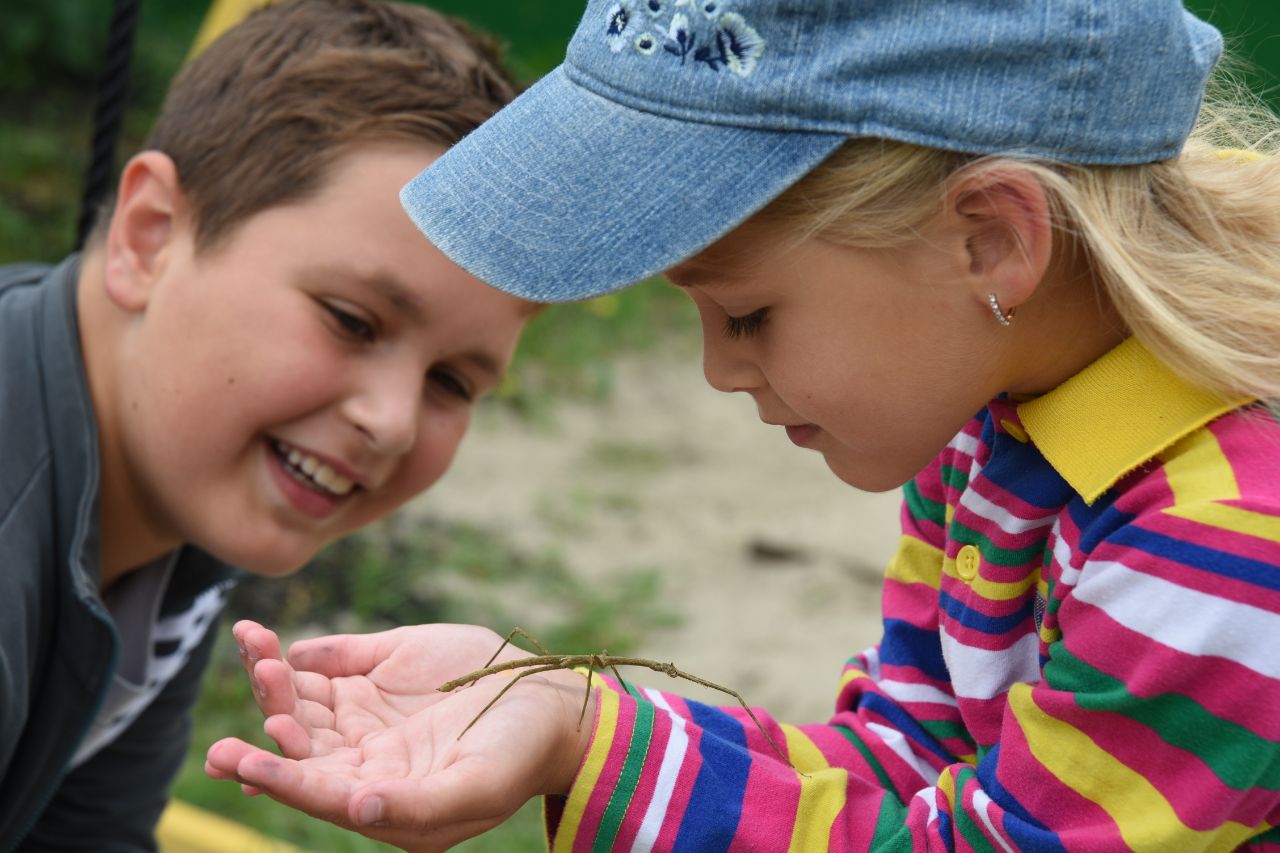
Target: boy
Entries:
(256, 354)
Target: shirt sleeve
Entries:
(1172, 743)
(667, 773)
(112, 802)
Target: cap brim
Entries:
(565, 195)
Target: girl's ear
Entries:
(1003, 216)
(143, 227)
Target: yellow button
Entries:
(967, 562)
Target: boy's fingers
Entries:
(280, 689)
(273, 687)
(298, 739)
(241, 626)
(443, 802)
(225, 755)
(238, 631)
(339, 655)
(256, 643)
(294, 740)
(215, 773)
(313, 687)
(301, 786)
(404, 818)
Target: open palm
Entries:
(370, 744)
(334, 691)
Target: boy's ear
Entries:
(148, 212)
(1004, 218)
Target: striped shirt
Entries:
(1081, 651)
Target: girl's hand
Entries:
(369, 744)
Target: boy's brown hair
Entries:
(257, 118)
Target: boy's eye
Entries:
(746, 325)
(350, 324)
(451, 384)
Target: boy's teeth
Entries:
(332, 480)
(319, 473)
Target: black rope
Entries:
(108, 114)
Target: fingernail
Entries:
(370, 811)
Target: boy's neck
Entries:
(128, 533)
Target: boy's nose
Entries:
(386, 411)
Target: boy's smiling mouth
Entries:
(312, 472)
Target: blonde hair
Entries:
(1187, 250)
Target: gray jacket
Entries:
(58, 645)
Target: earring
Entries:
(1005, 319)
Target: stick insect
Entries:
(547, 661)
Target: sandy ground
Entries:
(773, 564)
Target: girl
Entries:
(890, 216)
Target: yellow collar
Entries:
(1114, 415)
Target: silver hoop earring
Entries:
(1005, 319)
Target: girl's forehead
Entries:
(734, 254)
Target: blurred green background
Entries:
(51, 54)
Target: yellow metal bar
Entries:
(184, 828)
(222, 16)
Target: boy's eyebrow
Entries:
(392, 290)
(383, 283)
(485, 363)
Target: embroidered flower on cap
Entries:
(737, 44)
(680, 39)
(730, 43)
(616, 31)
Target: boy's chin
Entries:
(269, 564)
(271, 569)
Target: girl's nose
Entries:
(728, 370)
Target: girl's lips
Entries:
(306, 500)
(802, 435)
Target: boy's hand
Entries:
(333, 690)
(371, 745)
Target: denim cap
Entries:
(670, 122)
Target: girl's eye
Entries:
(746, 325)
(351, 325)
(451, 384)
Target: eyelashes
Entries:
(452, 385)
(746, 325)
(350, 325)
